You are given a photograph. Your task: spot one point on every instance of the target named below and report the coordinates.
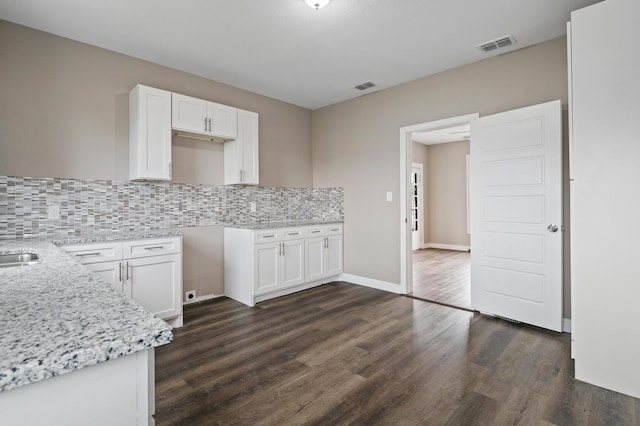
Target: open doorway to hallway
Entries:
(439, 215)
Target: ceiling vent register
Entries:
(498, 43)
(364, 86)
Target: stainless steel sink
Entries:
(18, 259)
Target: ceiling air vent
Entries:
(498, 43)
(364, 86)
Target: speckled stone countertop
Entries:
(57, 317)
(62, 240)
(284, 224)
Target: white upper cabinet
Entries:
(149, 134)
(197, 116)
(155, 114)
(241, 164)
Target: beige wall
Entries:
(447, 193)
(64, 113)
(356, 143)
(420, 154)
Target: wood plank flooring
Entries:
(443, 276)
(345, 354)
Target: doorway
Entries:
(406, 151)
(439, 224)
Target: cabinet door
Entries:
(292, 263)
(315, 258)
(111, 272)
(156, 283)
(334, 255)
(266, 259)
(224, 120)
(189, 114)
(149, 133)
(248, 137)
(241, 156)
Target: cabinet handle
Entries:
(268, 236)
(127, 271)
(170, 170)
(120, 271)
(294, 233)
(89, 254)
(154, 248)
(282, 248)
(335, 230)
(314, 232)
(205, 124)
(241, 175)
(209, 124)
(326, 242)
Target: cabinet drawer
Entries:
(316, 231)
(267, 236)
(153, 247)
(334, 229)
(94, 253)
(292, 233)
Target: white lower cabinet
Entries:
(263, 264)
(156, 283)
(111, 272)
(323, 253)
(278, 265)
(148, 271)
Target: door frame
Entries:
(421, 203)
(406, 264)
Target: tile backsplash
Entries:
(90, 206)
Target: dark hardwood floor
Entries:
(442, 276)
(346, 354)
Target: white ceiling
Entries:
(288, 51)
(448, 134)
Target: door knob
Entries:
(552, 228)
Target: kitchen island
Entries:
(72, 349)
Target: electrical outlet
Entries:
(253, 207)
(190, 295)
(53, 212)
(389, 196)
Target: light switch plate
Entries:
(389, 196)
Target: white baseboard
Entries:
(370, 282)
(202, 298)
(566, 325)
(446, 246)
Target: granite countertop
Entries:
(57, 317)
(283, 224)
(97, 237)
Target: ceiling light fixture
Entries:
(317, 4)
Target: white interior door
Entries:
(417, 206)
(516, 215)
